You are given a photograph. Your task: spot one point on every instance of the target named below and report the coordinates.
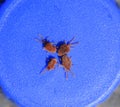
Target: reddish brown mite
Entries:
(50, 65)
(47, 45)
(66, 63)
(65, 47)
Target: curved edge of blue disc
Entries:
(100, 99)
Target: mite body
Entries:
(65, 47)
(47, 45)
(50, 65)
(66, 63)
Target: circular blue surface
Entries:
(95, 24)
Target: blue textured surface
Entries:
(95, 24)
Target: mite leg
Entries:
(66, 75)
(43, 71)
(41, 38)
(36, 39)
(74, 43)
(71, 40)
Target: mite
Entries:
(50, 65)
(47, 45)
(65, 47)
(66, 63)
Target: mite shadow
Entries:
(58, 46)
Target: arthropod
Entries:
(47, 45)
(50, 65)
(66, 62)
(65, 47)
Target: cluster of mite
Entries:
(62, 49)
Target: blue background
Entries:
(95, 24)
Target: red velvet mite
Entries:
(50, 65)
(66, 63)
(65, 48)
(47, 45)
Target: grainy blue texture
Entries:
(95, 24)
